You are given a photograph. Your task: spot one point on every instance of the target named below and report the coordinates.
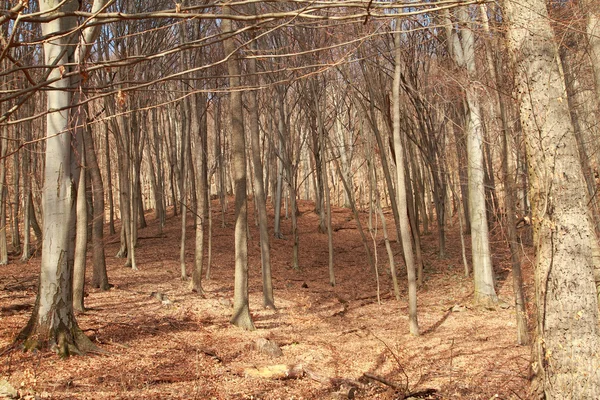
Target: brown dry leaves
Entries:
(188, 350)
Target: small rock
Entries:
(7, 390)
(265, 346)
(504, 305)
(224, 301)
(458, 308)
(304, 286)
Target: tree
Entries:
(241, 310)
(462, 48)
(567, 347)
(406, 237)
(52, 323)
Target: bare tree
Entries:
(241, 310)
(568, 343)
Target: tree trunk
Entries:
(99, 274)
(259, 189)
(52, 323)
(3, 196)
(202, 188)
(401, 193)
(568, 343)
(111, 203)
(81, 237)
(241, 310)
(508, 172)
(464, 55)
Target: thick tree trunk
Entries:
(567, 347)
(241, 310)
(52, 323)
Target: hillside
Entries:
(183, 347)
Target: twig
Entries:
(378, 378)
(395, 357)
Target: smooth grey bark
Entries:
(567, 345)
(183, 186)
(325, 207)
(370, 114)
(376, 199)
(282, 134)
(52, 323)
(202, 215)
(81, 237)
(241, 309)
(508, 173)
(259, 189)
(111, 203)
(463, 52)
(401, 193)
(26, 253)
(413, 214)
(99, 273)
(15, 203)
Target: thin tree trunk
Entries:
(201, 187)
(99, 274)
(241, 311)
(111, 203)
(259, 190)
(3, 196)
(401, 193)
(508, 172)
(81, 237)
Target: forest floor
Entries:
(185, 348)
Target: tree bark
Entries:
(52, 323)
(241, 310)
(567, 346)
(463, 51)
(99, 273)
(401, 193)
(259, 189)
(81, 237)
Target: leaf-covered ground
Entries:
(183, 347)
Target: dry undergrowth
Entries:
(182, 346)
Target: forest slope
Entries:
(183, 347)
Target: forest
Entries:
(299, 199)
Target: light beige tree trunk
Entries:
(99, 274)
(202, 214)
(567, 346)
(463, 51)
(241, 309)
(401, 193)
(259, 189)
(508, 173)
(52, 323)
(81, 237)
